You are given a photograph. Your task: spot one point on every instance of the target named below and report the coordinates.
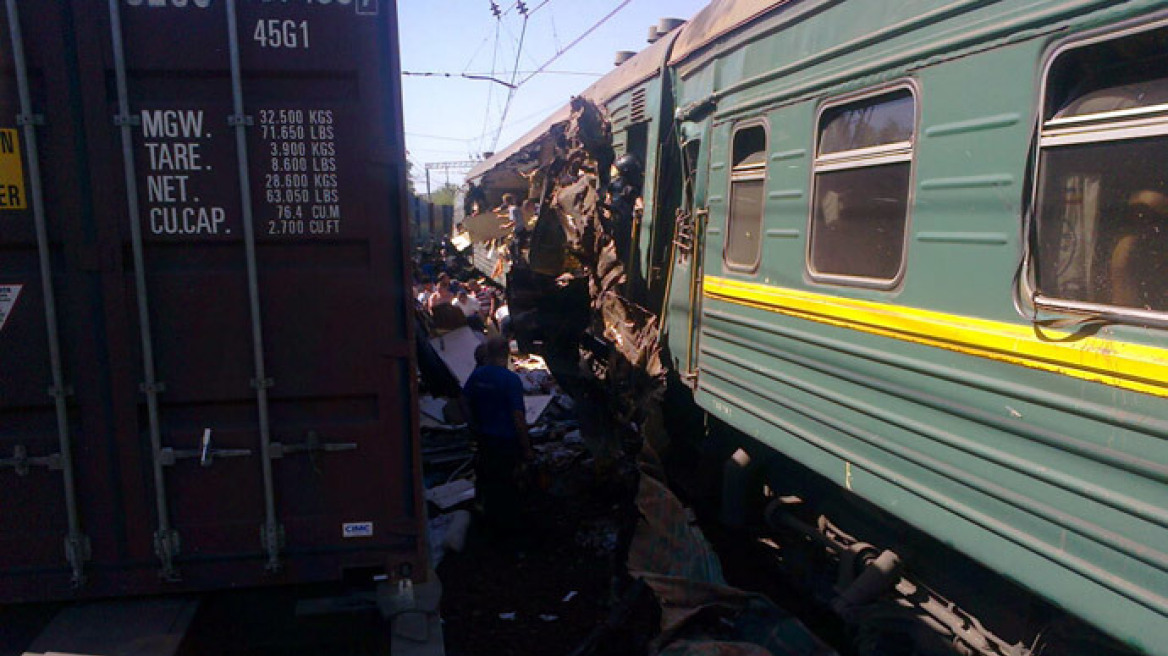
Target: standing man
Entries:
(514, 215)
(494, 398)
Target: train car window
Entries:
(747, 178)
(1101, 213)
(862, 175)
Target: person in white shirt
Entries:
(470, 309)
(503, 318)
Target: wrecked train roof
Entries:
(637, 69)
(719, 18)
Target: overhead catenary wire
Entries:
(480, 75)
(475, 55)
(487, 105)
(440, 137)
(512, 86)
(577, 40)
(469, 76)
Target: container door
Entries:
(50, 419)
(265, 286)
(205, 347)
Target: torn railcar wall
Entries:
(567, 288)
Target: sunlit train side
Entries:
(921, 253)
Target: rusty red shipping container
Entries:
(205, 339)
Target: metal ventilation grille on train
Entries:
(637, 107)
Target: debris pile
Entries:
(548, 593)
(610, 561)
(572, 290)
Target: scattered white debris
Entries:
(570, 596)
(549, 618)
(535, 405)
(455, 539)
(456, 349)
(451, 494)
(507, 616)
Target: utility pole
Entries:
(460, 166)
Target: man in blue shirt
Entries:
(494, 398)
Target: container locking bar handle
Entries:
(206, 454)
(271, 533)
(166, 539)
(22, 463)
(311, 444)
(77, 547)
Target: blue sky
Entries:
(454, 119)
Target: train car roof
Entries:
(637, 69)
(720, 17)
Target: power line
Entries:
(538, 7)
(578, 39)
(487, 105)
(476, 53)
(514, 74)
(468, 76)
(439, 137)
(479, 74)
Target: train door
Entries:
(685, 285)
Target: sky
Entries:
(455, 119)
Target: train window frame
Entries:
(751, 173)
(857, 159)
(1098, 128)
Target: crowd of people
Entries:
(451, 294)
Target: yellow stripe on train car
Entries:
(1120, 364)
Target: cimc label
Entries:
(357, 530)
(8, 296)
(11, 171)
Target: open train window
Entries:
(747, 179)
(1101, 213)
(862, 173)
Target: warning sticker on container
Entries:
(11, 171)
(8, 296)
(357, 530)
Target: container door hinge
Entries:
(152, 388)
(272, 540)
(167, 545)
(266, 383)
(30, 119)
(60, 392)
(127, 119)
(236, 120)
(22, 463)
(78, 551)
(311, 444)
(206, 453)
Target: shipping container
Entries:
(205, 340)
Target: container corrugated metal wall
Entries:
(224, 395)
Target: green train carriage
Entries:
(904, 259)
(904, 214)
